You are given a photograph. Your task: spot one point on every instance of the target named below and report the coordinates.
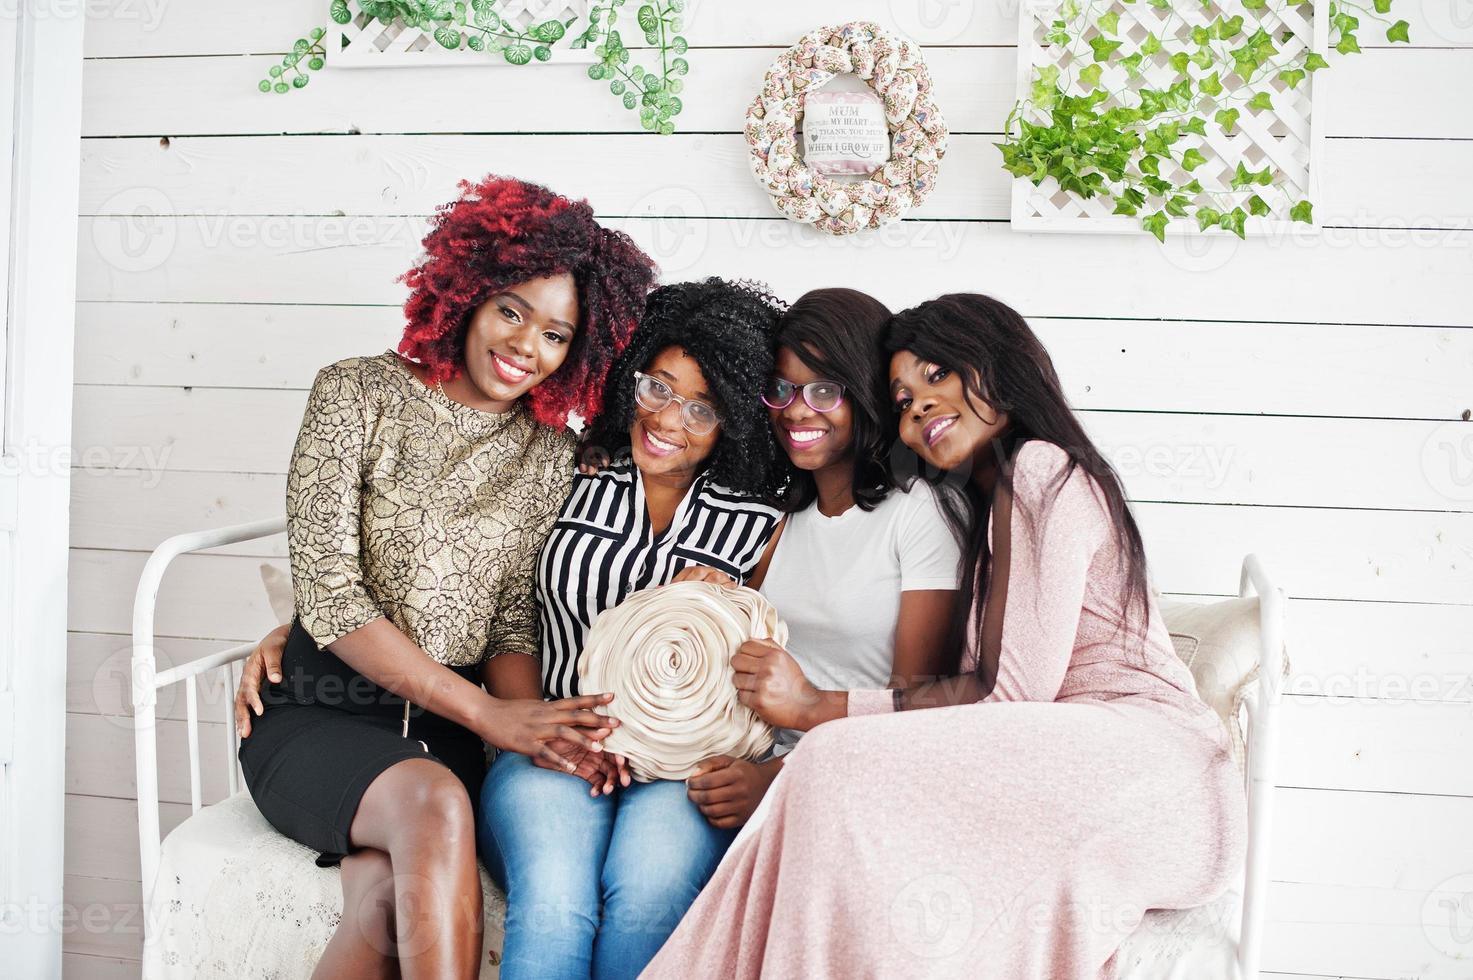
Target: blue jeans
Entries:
(594, 885)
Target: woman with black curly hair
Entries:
(420, 490)
(596, 879)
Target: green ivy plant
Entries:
(1136, 147)
(477, 25)
(655, 94)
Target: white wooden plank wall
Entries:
(1297, 397)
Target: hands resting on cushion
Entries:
(770, 682)
(528, 724)
(727, 790)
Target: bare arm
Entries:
(921, 652)
(512, 675)
(383, 654)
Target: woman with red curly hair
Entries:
(421, 488)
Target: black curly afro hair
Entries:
(729, 329)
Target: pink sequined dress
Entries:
(1020, 837)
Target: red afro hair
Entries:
(501, 232)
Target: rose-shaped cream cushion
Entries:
(665, 653)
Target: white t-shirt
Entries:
(836, 581)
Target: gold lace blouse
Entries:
(404, 503)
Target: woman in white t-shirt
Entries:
(864, 572)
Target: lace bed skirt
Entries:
(234, 898)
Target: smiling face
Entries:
(518, 338)
(937, 419)
(659, 442)
(812, 440)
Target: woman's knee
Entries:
(414, 804)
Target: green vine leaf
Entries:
(1258, 206)
(1211, 85)
(1262, 101)
(1103, 47)
(1302, 211)
(1089, 76)
(339, 12)
(1314, 61)
(1233, 221)
(1400, 31)
(1291, 76)
(1347, 44)
(1151, 45)
(1156, 225)
(1207, 218)
(517, 54)
(549, 31)
(1192, 159)
(1109, 22)
(447, 37)
(1226, 119)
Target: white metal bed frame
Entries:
(1260, 723)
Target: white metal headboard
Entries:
(147, 680)
(1261, 732)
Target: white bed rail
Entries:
(147, 681)
(1261, 731)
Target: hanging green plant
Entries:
(656, 95)
(479, 25)
(1132, 114)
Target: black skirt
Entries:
(327, 733)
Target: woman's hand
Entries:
(770, 682)
(727, 790)
(264, 662)
(602, 770)
(703, 573)
(530, 727)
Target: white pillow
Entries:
(1220, 643)
(278, 592)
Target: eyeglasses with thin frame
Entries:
(653, 395)
(821, 396)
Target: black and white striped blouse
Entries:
(602, 548)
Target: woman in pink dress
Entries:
(1015, 821)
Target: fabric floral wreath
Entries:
(894, 69)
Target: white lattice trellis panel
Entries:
(370, 44)
(1285, 137)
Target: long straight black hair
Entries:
(1001, 361)
(839, 333)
